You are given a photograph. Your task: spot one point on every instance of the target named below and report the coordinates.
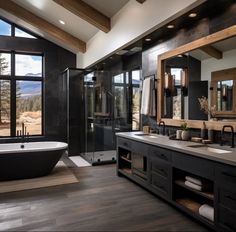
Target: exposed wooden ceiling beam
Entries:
(43, 25)
(211, 51)
(141, 1)
(88, 13)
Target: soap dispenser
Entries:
(211, 134)
(204, 134)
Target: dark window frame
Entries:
(13, 79)
(13, 26)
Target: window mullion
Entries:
(13, 96)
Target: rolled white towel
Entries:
(193, 186)
(194, 180)
(207, 211)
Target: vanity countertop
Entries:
(185, 147)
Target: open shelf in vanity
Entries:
(191, 198)
(125, 160)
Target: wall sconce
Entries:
(224, 92)
(184, 82)
(168, 84)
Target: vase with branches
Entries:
(206, 108)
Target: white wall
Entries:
(132, 22)
(212, 64)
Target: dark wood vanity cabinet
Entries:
(226, 197)
(160, 171)
(163, 172)
(197, 166)
(132, 160)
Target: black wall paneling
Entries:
(56, 59)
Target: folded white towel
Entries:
(207, 211)
(193, 186)
(194, 180)
(145, 104)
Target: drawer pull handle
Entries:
(228, 174)
(164, 157)
(228, 226)
(161, 171)
(231, 198)
(161, 187)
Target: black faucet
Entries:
(23, 134)
(164, 127)
(232, 135)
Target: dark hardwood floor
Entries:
(100, 202)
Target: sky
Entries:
(5, 28)
(28, 65)
(30, 88)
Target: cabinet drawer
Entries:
(161, 153)
(226, 176)
(140, 148)
(226, 220)
(227, 199)
(194, 165)
(161, 168)
(160, 185)
(125, 143)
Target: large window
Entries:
(21, 33)
(20, 93)
(126, 87)
(29, 106)
(10, 29)
(21, 86)
(136, 76)
(5, 64)
(5, 28)
(5, 108)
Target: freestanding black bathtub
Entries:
(33, 160)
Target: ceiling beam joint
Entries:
(87, 13)
(213, 52)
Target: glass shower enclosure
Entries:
(99, 104)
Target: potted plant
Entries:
(185, 132)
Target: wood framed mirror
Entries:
(204, 44)
(223, 92)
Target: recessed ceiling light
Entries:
(148, 39)
(62, 22)
(192, 15)
(170, 26)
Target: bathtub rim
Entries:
(64, 146)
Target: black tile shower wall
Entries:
(57, 59)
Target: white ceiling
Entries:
(52, 12)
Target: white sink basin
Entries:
(210, 149)
(146, 135)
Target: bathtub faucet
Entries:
(22, 134)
